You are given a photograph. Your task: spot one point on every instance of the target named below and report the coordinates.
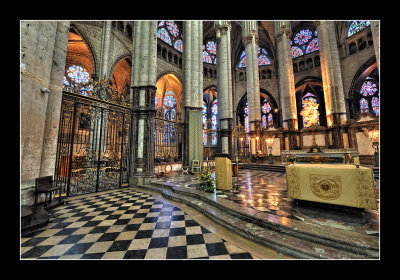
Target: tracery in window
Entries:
(168, 31)
(263, 58)
(310, 96)
(210, 52)
(77, 79)
(357, 26)
(369, 101)
(304, 42)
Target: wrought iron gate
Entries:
(92, 149)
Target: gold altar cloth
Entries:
(223, 173)
(333, 184)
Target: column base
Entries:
(141, 180)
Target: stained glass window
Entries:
(368, 88)
(296, 52)
(246, 124)
(262, 58)
(266, 108)
(168, 31)
(369, 96)
(169, 99)
(206, 57)
(264, 121)
(179, 45)
(210, 52)
(304, 42)
(302, 37)
(313, 46)
(155, 102)
(309, 96)
(76, 77)
(163, 35)
(210, 114)
(357, 26)
(270, 119)
(364, 105)
(375, 105)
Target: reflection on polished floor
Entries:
(127, 224)
(266, 191)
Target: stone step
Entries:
(294, 242)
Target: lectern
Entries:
(223, 172)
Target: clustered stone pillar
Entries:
(332, 80)
(141, 155)
(105, 50)
(39, 51)
(282, 30)
(250, 41)
(49, 148)
(224, 85)
(376, 39)
(192, 91)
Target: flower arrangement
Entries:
(291, 158)
(206, 180)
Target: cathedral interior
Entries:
(161, 139)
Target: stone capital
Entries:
(249, 38)
(284, 30)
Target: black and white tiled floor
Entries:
(125, 224)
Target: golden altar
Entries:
(344, 185)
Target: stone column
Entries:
(282, 30)
(250, 41)
(50, 137)
(141, 157)
(105, 49)
(37, 50)
(192, 91)
(331, 73)
(224, 85)
(375, 37)
(332, 80)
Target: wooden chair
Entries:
(46, 185)
(196, 165)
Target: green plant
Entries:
(206, 180)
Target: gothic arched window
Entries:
(210, 116)
(266, 114)
(357, 26)
(263, 58)
(210, 52)
(309, 96)
(77, 79)
(168, 31)
(304, 42)
(369, 97)
(169, 114)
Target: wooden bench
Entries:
(46, 185)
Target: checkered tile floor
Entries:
(125, 224)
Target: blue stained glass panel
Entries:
(211, 47)
(163, 35)
(266, 108)
(303, 37)
(357, 26)
(375, 105)
(243, 54)
(169, 100)
(204, 137)
(242, 63)
(264, 121)
(179, 45)
(270, 119)
(296, 52)
(214, 107)
(246, 124)
(173, 28)
(313, 46)
(77, 74)
(214, 138)
(263, 60)
(363, 105)
(368, 88)
(206, 57)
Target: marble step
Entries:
(297, 243)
